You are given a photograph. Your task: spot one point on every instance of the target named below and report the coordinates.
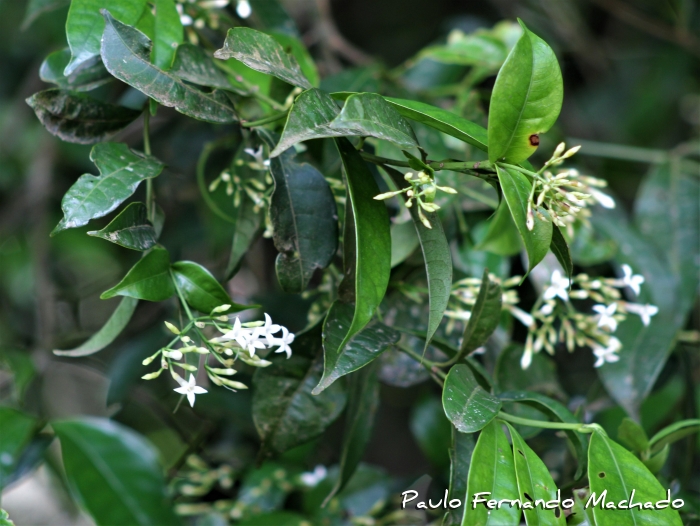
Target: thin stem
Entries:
(266, 120)
(522, 170)
(150, 197)
(383, 160)
(581, 428)
(429, 365)
(455, 166)
(201, 167)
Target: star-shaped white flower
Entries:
(284, 341)
(239, 334)
(189, 389)
(254, 344)
(607, 354)
(632, 280)
(645, 312)
(558, 287)
(266, 331)
(258, 156)
(606, 316)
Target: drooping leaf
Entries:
(363, 391)
(89, 75)
(611, 467)
(485, 315)
(516, 192)
(285, 412)
(468, 406)
(114, 473)
(195, 65)
(526, 99)
(121, 171)
(371, 257)
(36, 8)
(432, 430)
(632, 435)
(149, 279)
(168, 34)
(502, 236)
(85, 25)
(461, 451)
(78, 118)
(437, 257)
(200, 289)
(17, 430)
(125, 52)
(673, 433)
(247, 229)
(535, 482)
(492, 471)
(304, 216)
(294, 46)
(262, 53)
(130, 229)
(561, 250)
(365, 346)
(108, 333)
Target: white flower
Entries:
(524, 318)
(243, 9)
(284, 341)
(604, 200)
(526, 359)
(547, 308)
(558, 287)
(254, 344)
(190, 389)
(312, 478)
(632, 280)
(607, 354)
(258, 154)
(267, 330)
(239, 334)
(645, 312)
(605, 316)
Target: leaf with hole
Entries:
(468, 406)
(130, 229)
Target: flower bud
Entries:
(173, 355)
(232, 384)
(172, 328)
(560, 148)
(571, 152)
(221, 308)
(151, 376)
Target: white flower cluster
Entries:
(258, 337)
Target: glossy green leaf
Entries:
(492, 471)
(363, 391)
(534, 484)
(89, 75)
(85, 25)
(125, 52)
(262, 53)
(168, 34)
(195, 65)
(657, 461)
(121, 171)
(404, 242)
(461, 451)
(149, 279)
(248, 227)
(370, 262)
(78, 118)
(502, 237)
(526, 99)
(482, 50)
(611, 467)
(130, 229)
(200, 289)
(485, 315)
(294, 46)
(437, 258)
(305, 220)
(114, 473)
(516, 192)
(561, 250)
(468, 406)
(17, 430)
(285, 412)
(108, 333)
(632, 435)
(673, 433)
(368, 114)
(432, 430)
(364, 347)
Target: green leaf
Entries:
(611, 467)
(561, 251)
(526, 99)
(492, 470)
(461, 451)
(114, 473)
(481, 50)
(17, 430)
(125, 52)
(673, 433)
(294, 46)
(304, 216)
(195, 65)
(247, 229)
(262, 53)
(656, 462)
(149, 279)
(437, 257)
(363, 402)
(485, 315)
(89, 75)
(502, 236)
(368, 114)
(85, 25)
(364, 346)
(516, 191)
(371, 257)
(404, 242)
(272, 16)
(432, 430)
(557, 412)
(36, 8)
(632, 435)
(285, 412)
(130, 229)
(108, 333)
(535, 482)
(168, 34)
(200, 289)
(468, 406)
(78, 118)
(121, 171)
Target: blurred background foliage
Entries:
(632, 99)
